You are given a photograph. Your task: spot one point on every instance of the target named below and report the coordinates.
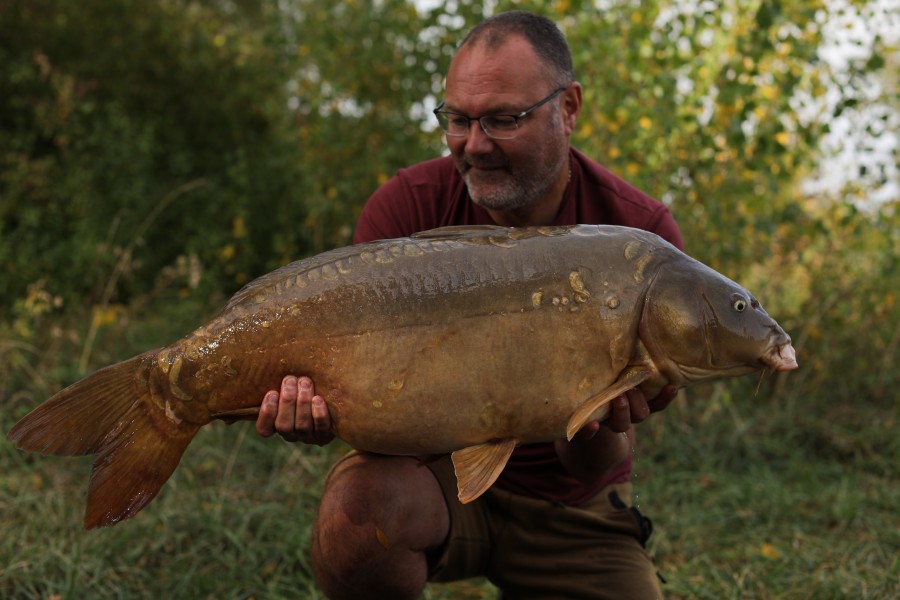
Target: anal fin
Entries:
(629, 379)
(477, 467)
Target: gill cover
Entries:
(699, 324)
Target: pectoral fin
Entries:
(477, 467)
(629, 379)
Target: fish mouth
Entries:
(781, 357)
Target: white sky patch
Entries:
(861, 148)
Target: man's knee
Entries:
(370, 489)
(377, 518)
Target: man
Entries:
(557, 523)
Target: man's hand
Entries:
(295, 413)
(600, 446)
(630, 407)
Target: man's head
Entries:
(504, 66)
(545, 38)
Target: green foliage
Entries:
(156, 156)
(694, 105)
(360, 78)
(133, 134)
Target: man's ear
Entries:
(570, 106)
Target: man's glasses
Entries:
(498, 127)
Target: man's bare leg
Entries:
(379, 517)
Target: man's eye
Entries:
(458, 121)
(501, 123)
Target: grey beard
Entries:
(521, 191)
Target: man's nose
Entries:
(478, 142)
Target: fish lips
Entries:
(780, 357)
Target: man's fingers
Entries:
(295, 413)
(589, 430)
(619, 419)
(265, 422)
(287, 405)
(637, 404)
(663, 399)
(303, 421)
(321, 421)
(312, 422)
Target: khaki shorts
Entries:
(532, 548)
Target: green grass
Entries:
(791, 497)
(233, 522)
(775, 500)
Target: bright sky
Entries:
(866, 138)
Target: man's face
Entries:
(506, 175)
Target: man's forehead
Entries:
(495, 78)
(482, 54)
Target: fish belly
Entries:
(432, 389)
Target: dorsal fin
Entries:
(455, 231)
(292, 269)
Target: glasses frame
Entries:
(516, 117)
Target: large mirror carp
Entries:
(468, 340)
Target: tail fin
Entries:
(110, 414)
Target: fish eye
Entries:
(740, 304)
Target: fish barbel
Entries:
(463, 340)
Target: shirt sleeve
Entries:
(666, 228)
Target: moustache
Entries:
(468, 162)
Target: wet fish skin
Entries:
(467, 340)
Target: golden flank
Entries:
(468, 340)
